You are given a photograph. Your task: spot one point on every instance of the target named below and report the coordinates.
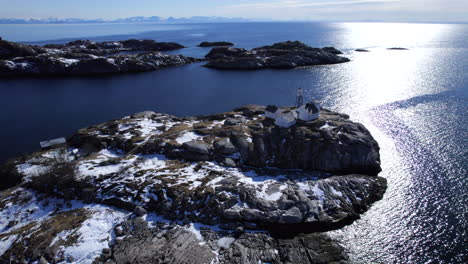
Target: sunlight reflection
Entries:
(382, 76)
(399, 95)
(393, 34)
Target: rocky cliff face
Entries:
(205, 181)
(283, 55)
(84, 57)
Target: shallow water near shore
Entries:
(414, 102)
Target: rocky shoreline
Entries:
(224, 188)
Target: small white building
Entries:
(53, 142)
(286, 118)
(309, 111)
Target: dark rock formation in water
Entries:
(112, 47)
(190, 189)
(215, 44)
(362, 50)
(284, 55)
(397, 48)
(84, 57)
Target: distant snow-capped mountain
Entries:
(137, 19)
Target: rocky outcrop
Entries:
(84, 57)
(215, 44)
(150, 45)
(176, 244)
(112, 47)
(72, 64)
(197, 184)
(231, 168)
(40, 229)
(283, 55)
(10, 50)
(362, 50)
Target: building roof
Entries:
(52, 142)
(271, 108)
(310, 107)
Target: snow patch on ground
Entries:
(67, 62)
(151, 162)
(262, 184)
(30, 170)
(271, 196)
(149, 127)
(192, 177)
(314, 190)
(94, 167)
(196, 232)
(188, 136)
(335, 192)
(318, 193)
(225, 242)
(95, 234)
(6, 243)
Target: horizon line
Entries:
(69, 20)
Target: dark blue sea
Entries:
(414, 102)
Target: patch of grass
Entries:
(137, 139)
(111, 161)
(27, 228)
(201, 125)
(13, 196)
(175, 165)
(60, 177)
(176, 130)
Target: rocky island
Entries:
(283, 55)
(84, 57)
(226, 188)
(215, 44)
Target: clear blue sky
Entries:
(391, 10)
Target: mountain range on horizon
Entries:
(193, 19)
(137, 19)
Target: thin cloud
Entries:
(299, 4)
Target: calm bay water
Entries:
(414, 102)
